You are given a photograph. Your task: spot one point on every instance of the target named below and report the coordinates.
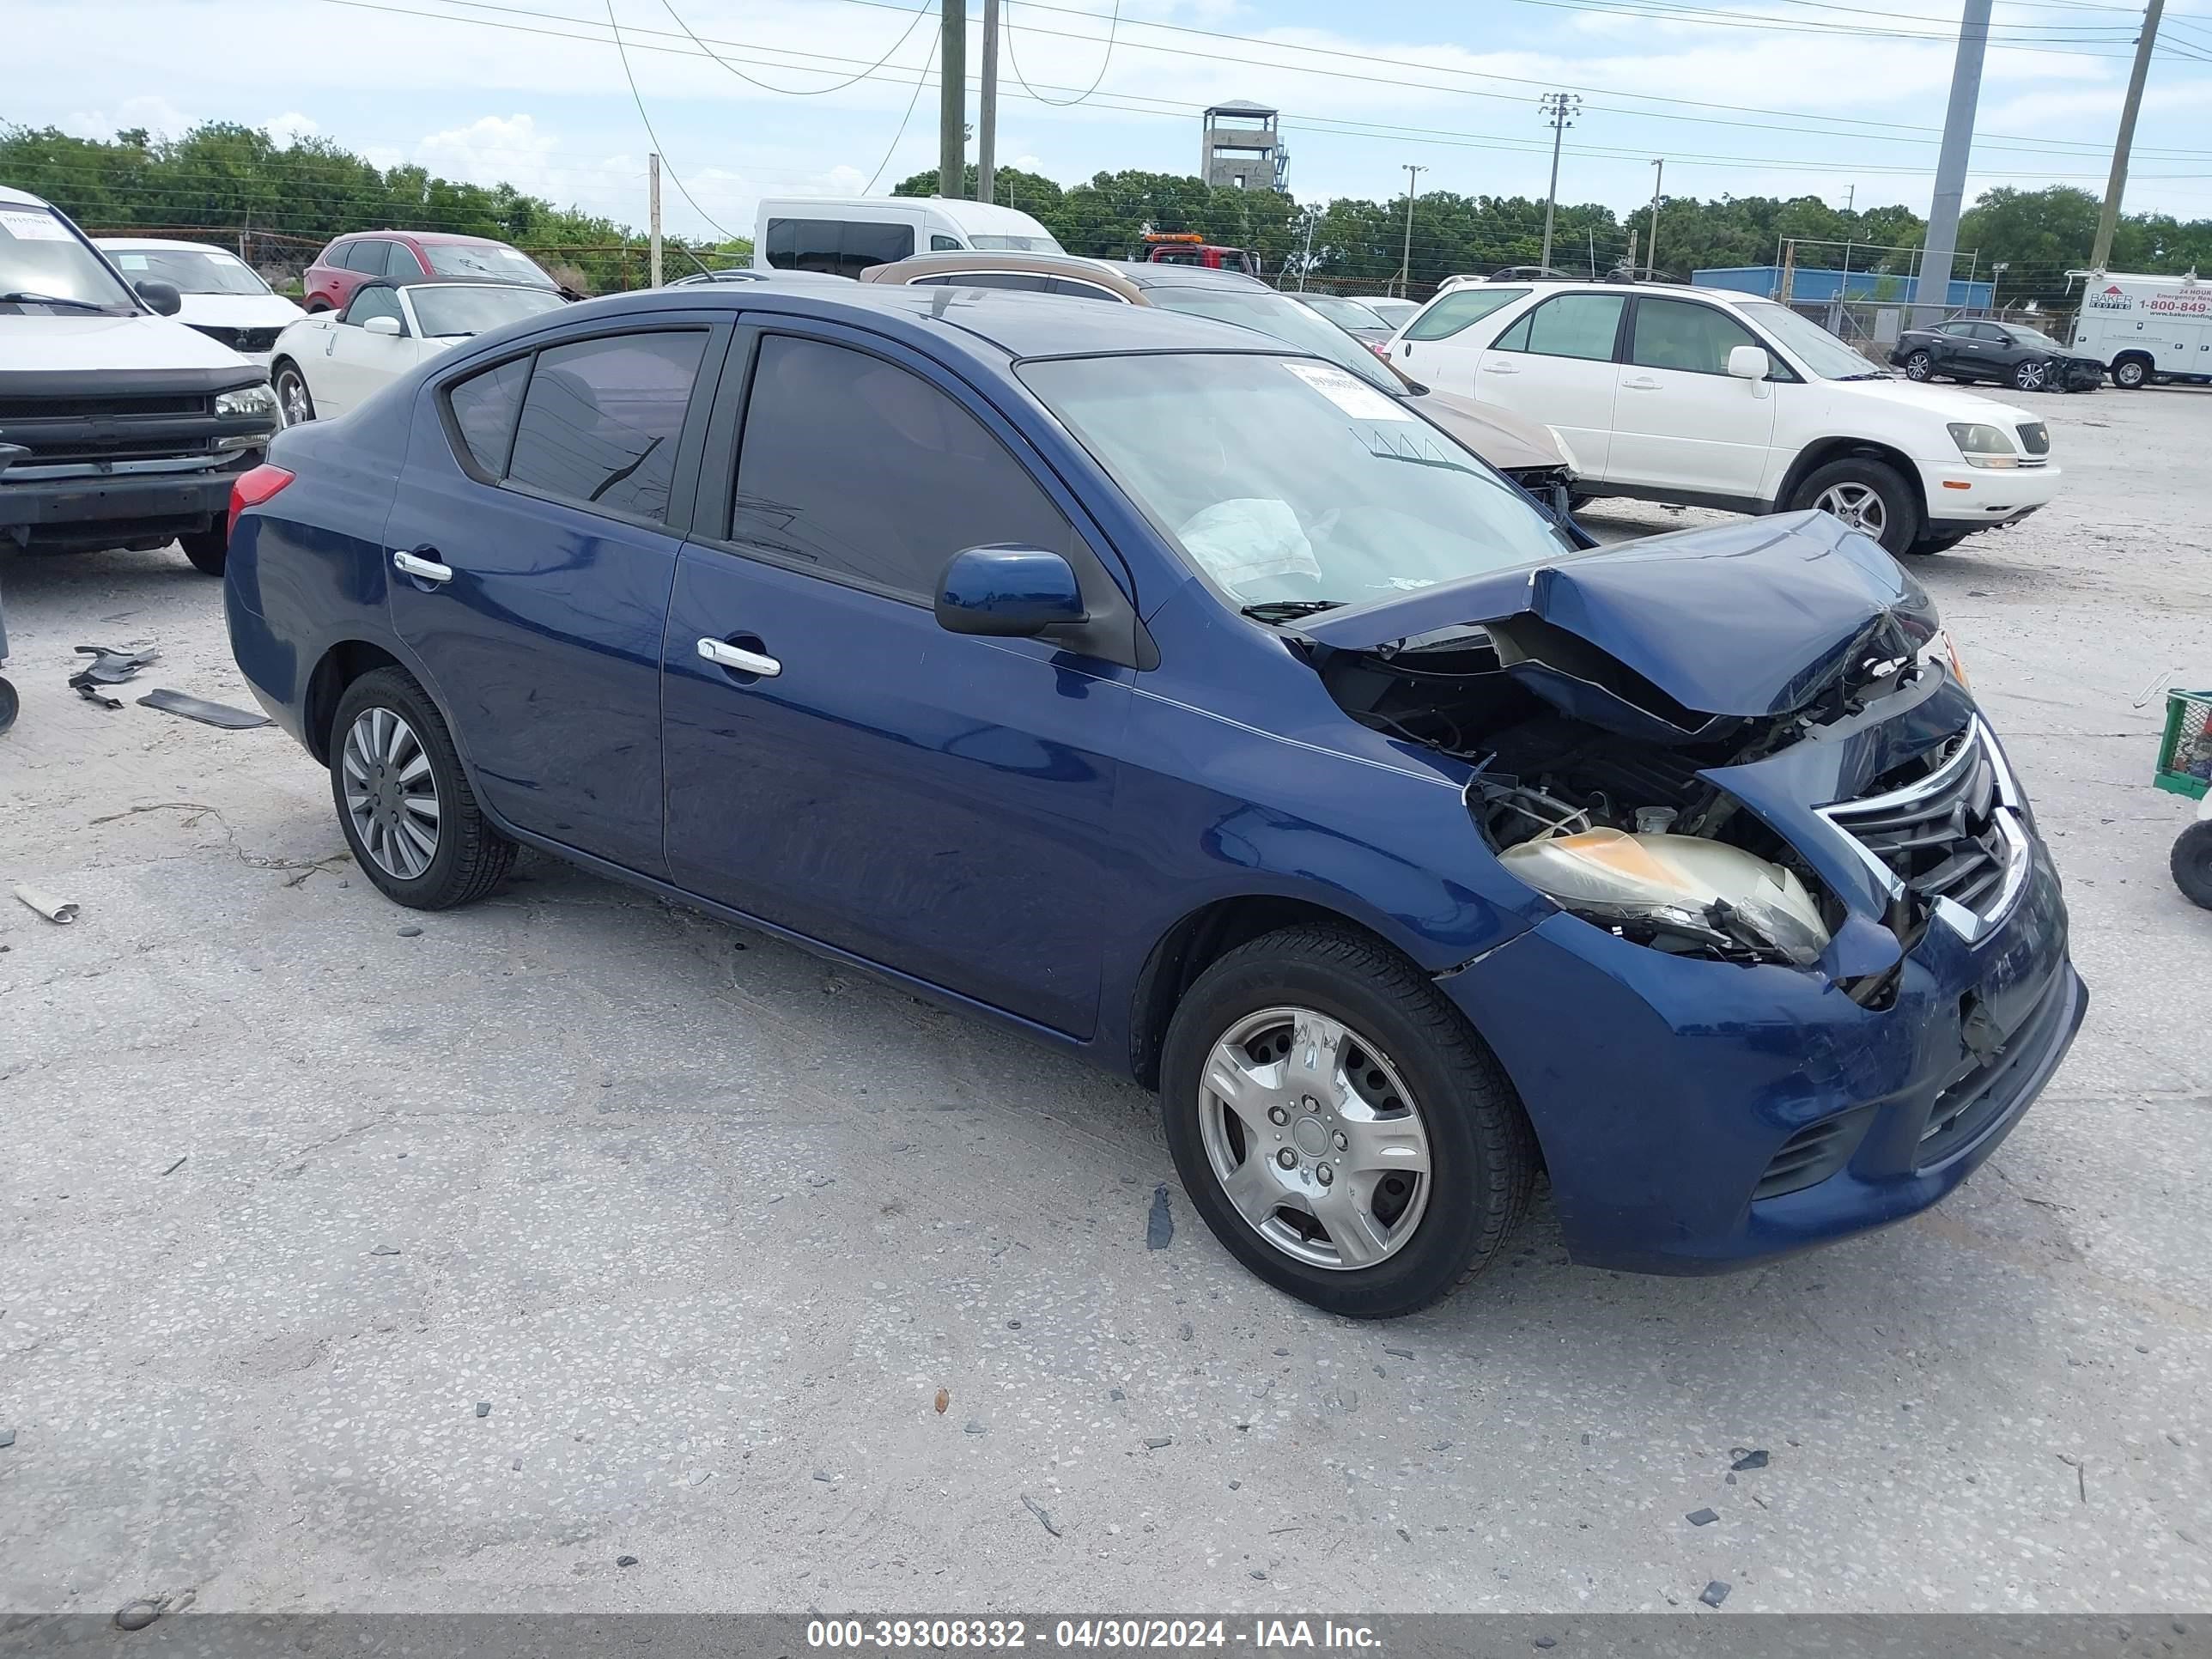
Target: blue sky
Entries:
(1779, 96)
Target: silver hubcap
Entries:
(1857, 506)
(292, 394)
(1915, 367)
(2129, 373)
(1315, 1138)
(2030, 376)
(390, 793)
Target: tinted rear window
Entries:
(484, 408)
(600, 421)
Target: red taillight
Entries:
(254, 488)
(1380, 350)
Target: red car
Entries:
(409, 256)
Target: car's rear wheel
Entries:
(1871, 496)
(1919, 366)
(1937, 541)
(1339, 1127)
(404, 799)
(294, 401)
(208, 550)
(2130, 373)
(2193, 864)
(2032, 375)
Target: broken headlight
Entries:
(1704, 892)
(1984, 446)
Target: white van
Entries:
(2146, 328)
(843, 235)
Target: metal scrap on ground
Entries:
(199, 708)
(53, 909)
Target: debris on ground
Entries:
(1158, 1442)
(1716, 1592)
(1399, 1354)
(1188, 1332)
(410, 931)
(825, 1477)
(7, 1439)
(698, 1477)
(1042, 1513)
(1159, 1226)
(136, 1616)
(178, 1165)
(53, 909)
(111, 665)
(484, 1408)
(386, 1250)
(625, 1560)
(943, 1400)
(975, 1426)
(199, 708)
(1702, 1517)
(1746, 1460)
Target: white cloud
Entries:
(290, 127)
(160, 118)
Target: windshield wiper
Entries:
(1275, 610)
(21, 298)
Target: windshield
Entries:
(41, 258)
(1286, 481)
(1345, 314)
(1815, 347)
(1014, 245)
(492, 259)
(1284, 318)
(197, 270)
(443, 311)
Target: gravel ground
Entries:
(290, 1198)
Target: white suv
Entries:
(1718, 400)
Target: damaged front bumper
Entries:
(1714, 1116)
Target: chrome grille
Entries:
(1949, 836)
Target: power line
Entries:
(1095, 81)
(659, 148)
(920, 79)
(802, 92)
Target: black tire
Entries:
(1919, 366)
(2193, 864)
(208, 550)
(1900, 507)
(2131, 374)
(471, 857)
(1482, 1153)
(1936, 541)
(288, 383)
(2032, 374)
(9, 705)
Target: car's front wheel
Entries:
(1919, 366)
(293, 402)
(1871, 496)
(208, 550)
(2034, 375)
(1342, 1130)
(403, 800)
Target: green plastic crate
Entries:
(2184, 754)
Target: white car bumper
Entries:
(1961, 497)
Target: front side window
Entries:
(485, 407)
(374, 301)
(1812, 346)
(600, 421)
(1352, 498)
(854, 468)
(193, 271)
(1581, 326)
(361, 256)
(1459, 308)
(400, 261)
(41, 258)
(941, 243)
(1681, 334)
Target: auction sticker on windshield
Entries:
(1362, 403)
(32, 227)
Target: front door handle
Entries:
(736, 656)
(429, 569)
(1499, 368)
(1639, 385)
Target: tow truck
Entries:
(1188, 247)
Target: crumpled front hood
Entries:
(1507, 441)
(1745, 620)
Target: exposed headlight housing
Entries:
(1984, 446)
(247, 403)
(1706, 892)
(1942, 647)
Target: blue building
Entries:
(1813, 287)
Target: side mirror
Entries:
(1750, 362)
(1008, 591)
(389, 326)
(163, 297)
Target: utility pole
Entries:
(1559, 108)
(1651, 248)
(1951, 167)
(952, 97)
(1406, 265)
(987, 123)
(2115, 186)
(653, 215)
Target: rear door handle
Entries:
(1639, 385)
(737, 657)
(429, 569)
(1499, 368)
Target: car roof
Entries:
(952, 262)
(1726, 296)
(21, 198)
(443, 238)
(452, 281)
(1008, 322)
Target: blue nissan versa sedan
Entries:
(1128, 677)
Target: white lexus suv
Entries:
(1713, 398)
